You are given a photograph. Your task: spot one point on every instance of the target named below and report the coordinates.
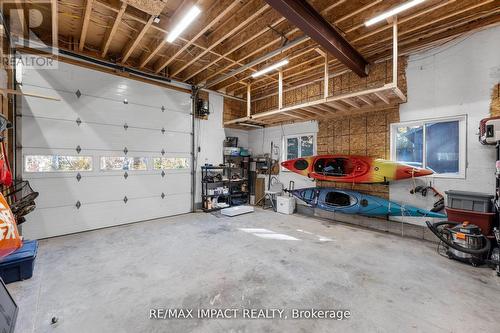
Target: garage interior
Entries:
(249, 166)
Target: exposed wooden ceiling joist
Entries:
(134, 42)
(110, 33)
(86, 21)
(222, 10)
(230, 28)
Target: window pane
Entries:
(165, 163)
(409, 144)
(441, 144)
(306, 146)
(54, 163)
(292, 148)
(115, 163)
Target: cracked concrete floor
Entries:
(107, 280)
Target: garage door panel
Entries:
(50, 128)
(91, 189)
(70, 79)
(107, 113)
(98, 109)
(64, 220)
(39, 132)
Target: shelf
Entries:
(215, 195)
(213, 209)
(217, 182)
(214, 167)
(238, 180)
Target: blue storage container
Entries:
(19, 265)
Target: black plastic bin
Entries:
(19, 265)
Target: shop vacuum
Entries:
(465, 242)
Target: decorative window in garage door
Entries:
(119, 163)
(57, 163)
(166, 163)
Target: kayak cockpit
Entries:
(337, 167)
(339, 199)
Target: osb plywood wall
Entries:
(380, 74)
(495, 101)
(365, 135)
(234, 109)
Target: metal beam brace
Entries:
(307, 19)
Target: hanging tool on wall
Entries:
(423, 190)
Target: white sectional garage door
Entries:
(112, 151)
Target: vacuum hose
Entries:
(439, 234)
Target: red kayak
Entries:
(353, 169)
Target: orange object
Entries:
(9, 235)
(5, 173)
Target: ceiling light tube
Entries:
(392, 12)
(270, 68)
(183, 23)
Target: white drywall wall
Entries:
(455, 79)
(242, 136)
(260, 142)
(209, 137)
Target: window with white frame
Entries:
(437, 144)
(296, 146)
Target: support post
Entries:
(280, 89)
(249, 101)
(327, 76)
(395, 51)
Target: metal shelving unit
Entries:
(239, 189)
(206, 185)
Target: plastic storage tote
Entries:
(482, 220)
(474, 201)
(19, 265)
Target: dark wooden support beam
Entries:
(306, 18)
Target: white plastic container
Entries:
(285, 204)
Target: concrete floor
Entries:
(107, 280)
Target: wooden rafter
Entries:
(157, 45)
(85, 26)
(134, 42)
(110, 33)
(270, 21)
(55, 23)
(224, 10)
(222, 38)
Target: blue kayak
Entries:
(352, 202)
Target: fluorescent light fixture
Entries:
(392, 12)
(183, 23)
(270, 68)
